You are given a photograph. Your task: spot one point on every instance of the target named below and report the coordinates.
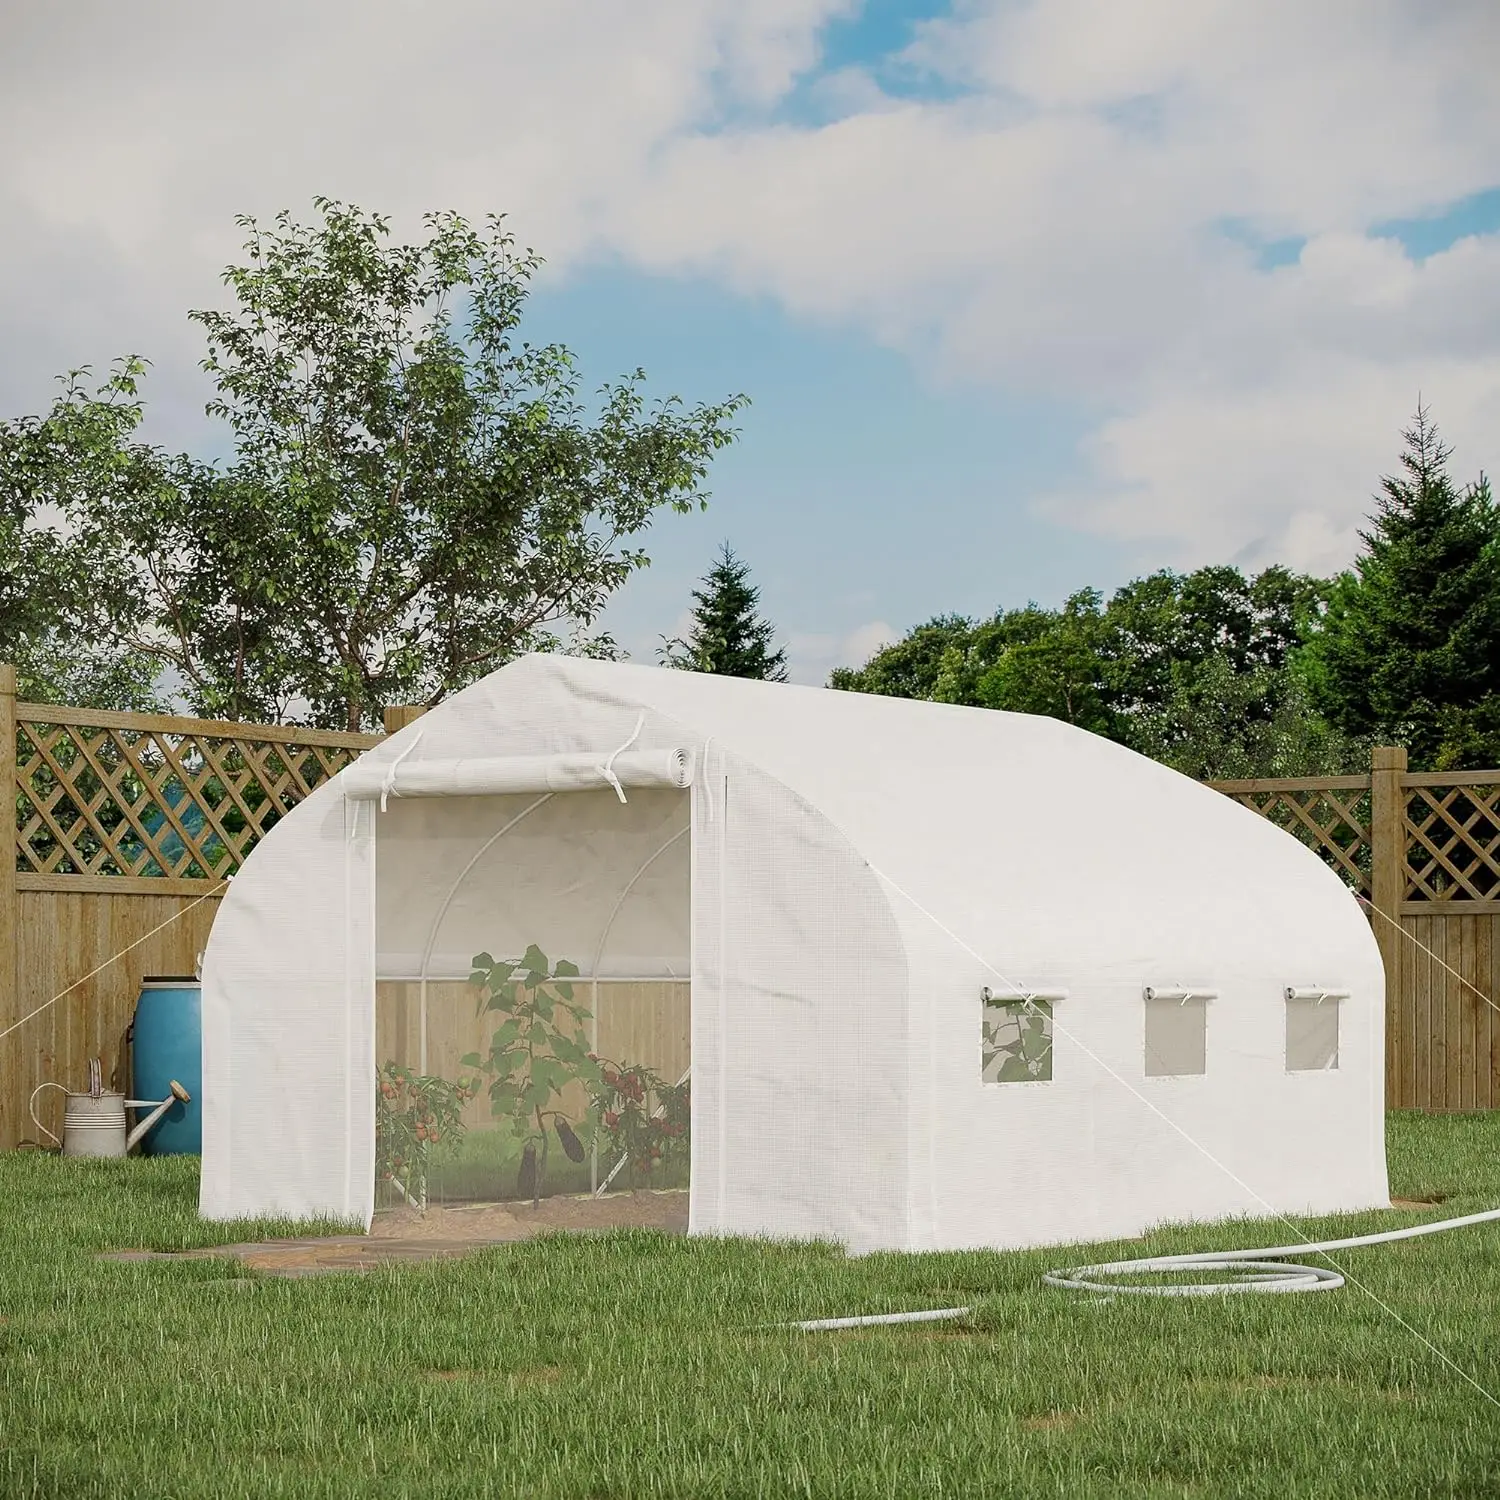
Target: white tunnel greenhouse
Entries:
(946, 977)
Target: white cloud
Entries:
(1284, 473)
(811, 657)
(135, 134)
(1060, 227)
(1055, 226)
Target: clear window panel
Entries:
(1017, 1041)
(1312, 1035)
(1176, 1038)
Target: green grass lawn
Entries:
(638, 1365)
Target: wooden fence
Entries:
(1423, 850)
(126, 825)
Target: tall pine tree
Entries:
(1409, 649)
(728, 636)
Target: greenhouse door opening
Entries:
(533, 1002)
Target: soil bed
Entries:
(486, 1223)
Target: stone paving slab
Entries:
(402, 1237)
(317, 1255)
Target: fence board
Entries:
(61, 938)
(1492, 989)
(1452, 778)
(1294, 784)
(271, 734)
(116, 885)
(1469, 1006)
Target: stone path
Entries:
(402, 1237)
(316, 1255)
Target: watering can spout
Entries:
(157, 1111)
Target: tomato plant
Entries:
(413, 1113)
(641, 1116)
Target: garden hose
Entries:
(1258, 1270)
(1255, 1271)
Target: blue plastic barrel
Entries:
(167, 1043)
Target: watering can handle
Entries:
(31, 1110)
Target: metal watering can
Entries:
(94, 1123)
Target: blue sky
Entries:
(865, 488)
(859, 490)
(1028, 295)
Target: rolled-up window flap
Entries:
(498, 775)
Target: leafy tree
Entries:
(1218, 722)
(1409, 648)
(910, 668)
(1170, 624)
(967, 663)
(53, 584)
(1196, 669)
(1029, 660)
(415, 498)
(1202, 671)
(1053, 664)
(728, 636)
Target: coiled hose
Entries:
(1259, 1270)
(1255, 1271)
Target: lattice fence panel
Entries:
(1453, 843)
(1334, 822)
(107, 800)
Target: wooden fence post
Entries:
(398, 716)
(10, 994)
(8, 956)
(1387, 833)
(1387, 888)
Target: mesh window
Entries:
(1176, 1038)
(598, 891)
(1017, 1041)
(1312, 1035)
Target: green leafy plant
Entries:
(413, 1113)
(642, 1117)
(1017, 1042)
(535, 1053)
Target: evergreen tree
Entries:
(728, 636)
(1409, 649)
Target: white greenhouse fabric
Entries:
(841, 878)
